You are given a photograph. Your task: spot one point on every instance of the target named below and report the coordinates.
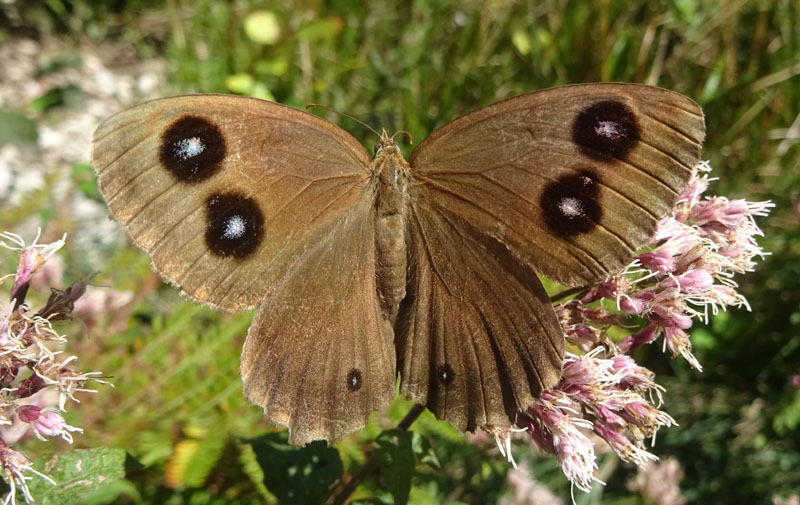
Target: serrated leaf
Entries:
(175, 468)
(396, 459)
(204, 460)
(297, 475)
(251, 468)
(77, 474)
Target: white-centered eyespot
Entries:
(570, 207)
(189, 148)
(234, 227)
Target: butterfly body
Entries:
(363, 269)
(392, 173)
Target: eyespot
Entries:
(235, 225)
(606, 130)
(570, 206)
(445, 374)
(354, 380)
(192, 149)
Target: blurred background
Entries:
(177, 407)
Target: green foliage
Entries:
(177, 406)
(78, 474)
(396, 462)
(16, 127)
(297, 475)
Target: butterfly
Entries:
(363, 268)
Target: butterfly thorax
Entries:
(391, 172)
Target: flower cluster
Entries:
(659, 482)
(686, 271)
(35, 379)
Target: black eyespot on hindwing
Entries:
(354, 380)
(446, 374)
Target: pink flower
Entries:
(620, 444)
(51, 424)
(31, 259)
(36, 379)
(677, 341)
(692, 281)
(658, 262)
(658, 482)
(685, 273)
(29, 413)
(555, 428)
(644, 336)
(16, 468)
(527, 491)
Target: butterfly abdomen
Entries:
(390, 227)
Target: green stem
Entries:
(568, 292)
(345, 489)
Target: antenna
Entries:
(410, 140)
(345, 115)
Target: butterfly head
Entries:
(386, 143)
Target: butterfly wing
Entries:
(477, 338)
(568, 183)
(227, 193)
(319, 355)
(243, 202)
(572, 179)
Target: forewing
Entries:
(572, 179)
(227, 194)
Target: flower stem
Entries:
(345, 489)
(567, 292)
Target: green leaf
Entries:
(320, 29)
(16, 127)
(788, 418)
(113, 492)
(77, 474)
(251, 468)
(60, 96)
(262, 27)
(239, 83)
(276, 66)
(396, 458)
(297, 475)
(521, 41)
(204, 459)
(713, 83)
(85, 181)
(424, 450)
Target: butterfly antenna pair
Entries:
(410, 139)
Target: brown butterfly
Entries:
(363, 268)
